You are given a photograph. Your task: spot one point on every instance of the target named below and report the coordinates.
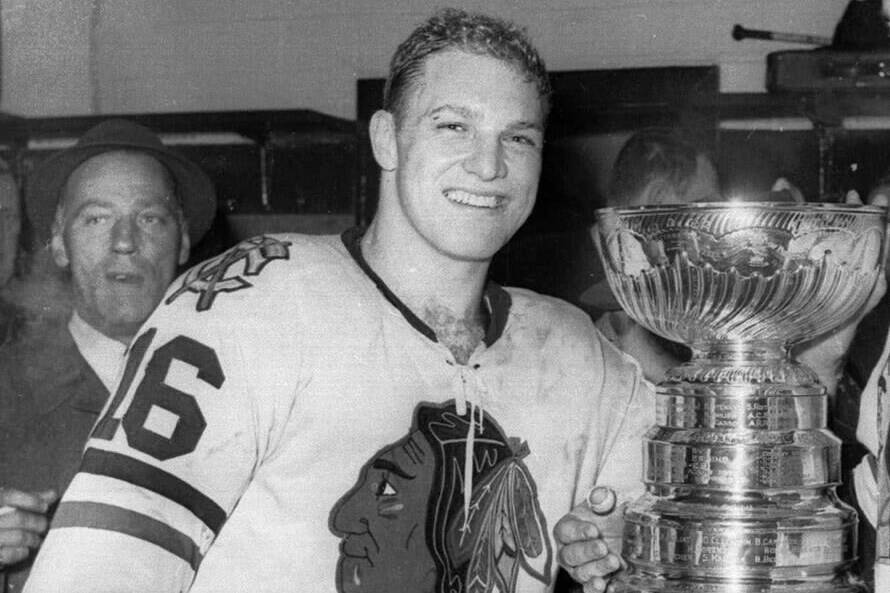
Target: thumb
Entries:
(601, 500)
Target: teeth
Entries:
(477, 200)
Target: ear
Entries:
(383, 140)
(185, 245)
(57, 248)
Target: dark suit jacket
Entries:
(49, 400)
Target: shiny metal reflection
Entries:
(740, 470)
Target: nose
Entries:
(348, 515)
(486, 160)
(124, 235)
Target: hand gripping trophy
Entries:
(740, 471)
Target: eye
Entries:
(94, 219)
(451, 127)
(524, 140)
(152, 218)
(384, 488)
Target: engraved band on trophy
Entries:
(740, 471)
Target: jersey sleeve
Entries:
(199, 404)
(624, 411)
(872, 475)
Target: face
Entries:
(382, 522)
(119, 235)
(462, 168)
(10, 226)
(704, 186)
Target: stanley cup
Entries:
(739, 469)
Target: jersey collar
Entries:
(495, 299)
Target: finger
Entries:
(19, 538)
(598, 568)
(595, 585)
(572, 528)
(879, 198)
(12, 555)
(852, 197)
(30, 501)
(23, 520)
(48, 496)
(583, 553)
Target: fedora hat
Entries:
(45, 183)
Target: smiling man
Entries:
(233, 455)
(118, 212)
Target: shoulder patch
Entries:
(225, 272)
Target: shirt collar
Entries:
(496, 300)
(103, 354)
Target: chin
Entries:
(471, 251)
(131, 318)
(351, 573)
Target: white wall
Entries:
(45, 63)
(72, 57)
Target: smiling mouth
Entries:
(475, 200)
(125, 278)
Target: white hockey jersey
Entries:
(872, 476)
(285, 423)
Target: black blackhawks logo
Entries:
(212, 277)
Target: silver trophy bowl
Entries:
(740, 471)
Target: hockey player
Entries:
(367, 412)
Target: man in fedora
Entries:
(118, 213)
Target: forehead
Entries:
(704, 183)
(479, 83)
(117, 175)
(409, 453)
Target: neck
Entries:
(459, 334)
(446, 294)
(122, 333)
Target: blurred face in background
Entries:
(703, 186)
(120, 233)
(10, 227)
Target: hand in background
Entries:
(23, 522)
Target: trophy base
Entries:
(784, 538)
(640, 583)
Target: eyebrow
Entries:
(390, 466)
(166, 201)
(463, 111)
(527, 125)
(469, 114)
(90, 203)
